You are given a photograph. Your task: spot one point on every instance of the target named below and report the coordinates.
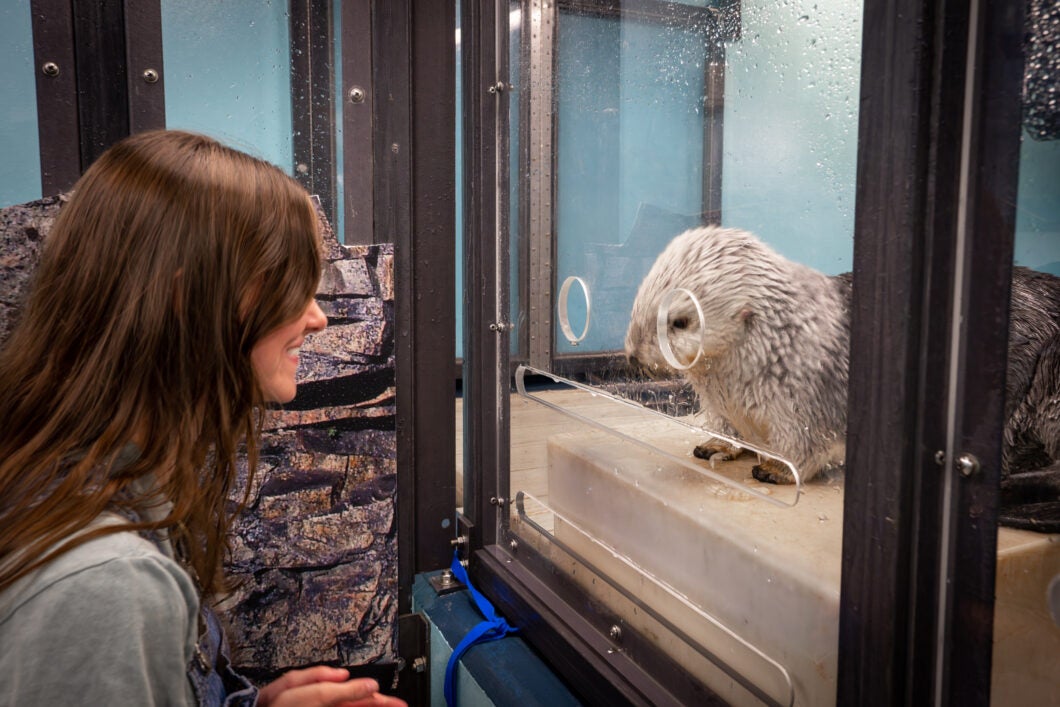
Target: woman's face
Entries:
(275, 357)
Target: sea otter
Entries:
(773, 352)
(775, 337)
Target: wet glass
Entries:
(688, 183)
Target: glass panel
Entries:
(19, 144)
(228, 74)
(1027, 595)
(704, 168)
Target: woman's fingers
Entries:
(318, 686)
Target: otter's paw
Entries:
(770, 471)
(716, 450)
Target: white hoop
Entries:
(564, 319)
(662, 329)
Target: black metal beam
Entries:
(993, 144)
(413, 191)
(433, 275)
(486, 348)
(146, 87)
(358, 105)
(56, 73)
(102, 86)
(885, 448)
(938, 144)
(312, 99)
(99, 78)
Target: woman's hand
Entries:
(323, 686)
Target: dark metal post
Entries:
(358, 105)
(932, 260)
(414, 136)
(312, 101)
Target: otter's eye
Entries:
(680, 323)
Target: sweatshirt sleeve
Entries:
(115, 632)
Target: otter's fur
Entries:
(773, 372)
(775, 339)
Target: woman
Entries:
(172, 296)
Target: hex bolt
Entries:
(967, 464)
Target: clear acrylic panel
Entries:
(1027, 594)
(676, 450)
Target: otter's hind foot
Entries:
(770, 471)
(716, 450)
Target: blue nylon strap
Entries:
(493, 628)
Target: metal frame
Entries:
(312, 99)
(99, 78)
(413, 206)
(935, 211)
(357, 98)
(537, 241)
(486, 334)
(937, 172)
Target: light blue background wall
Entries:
(1038, 206)
(791, 122)
(19, 143)
(228, 73)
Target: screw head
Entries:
(150, 76)
(615, 633)
(967, 464)
(357, 95)
(50, 68)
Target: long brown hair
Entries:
(173, 257)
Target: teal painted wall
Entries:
(228, 73)
(19, 143)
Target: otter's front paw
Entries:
(716, 450)
(770, 471)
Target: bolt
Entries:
(419, 664)
(514, 544)
(150, 76)
(615, 633)
(357, 95)
(50, 69)
(967, 464)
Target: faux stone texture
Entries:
(314, 553)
